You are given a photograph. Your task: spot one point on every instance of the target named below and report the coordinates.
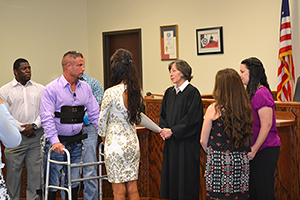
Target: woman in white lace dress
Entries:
(120, 112)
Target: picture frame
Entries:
(210, 41)
(169, 42)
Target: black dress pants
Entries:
(262, 170)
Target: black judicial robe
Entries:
(183, 114)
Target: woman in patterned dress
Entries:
(120, 112)
(225, 138)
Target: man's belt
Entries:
(71, 114)
(71, 139)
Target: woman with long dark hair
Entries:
(225, 138)
(265, 147)
(120, 112)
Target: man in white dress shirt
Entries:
(22, 97)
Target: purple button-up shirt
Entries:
(57, 94)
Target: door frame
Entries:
(106, 52)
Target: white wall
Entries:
(43, 30)
(251, 28)
(40, 31)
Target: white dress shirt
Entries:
(23, 102)
(182, 87)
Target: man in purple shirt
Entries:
(63, 104)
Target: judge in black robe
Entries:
(181, 117)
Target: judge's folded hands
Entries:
(165, 133)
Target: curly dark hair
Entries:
(234, 104)
(257, 75)
(124, 69)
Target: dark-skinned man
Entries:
(22, 97)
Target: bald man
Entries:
(63, 105)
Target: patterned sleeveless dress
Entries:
(121, 149)
(227, 172)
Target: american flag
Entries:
(286, 75)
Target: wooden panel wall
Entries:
(287, 178)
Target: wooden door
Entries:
(127, 39)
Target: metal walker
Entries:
(69, 167)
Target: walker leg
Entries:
(47, 175)
(69, 176)
(69, 191)
(42, 154)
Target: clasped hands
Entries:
(28, 131)
(165, 133)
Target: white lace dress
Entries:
(121, 149)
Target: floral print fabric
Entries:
(121, 148)
(227, 172)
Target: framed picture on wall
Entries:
(210, 41)
(169, 42)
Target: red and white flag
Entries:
(286, 74)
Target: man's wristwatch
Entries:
(34, 126)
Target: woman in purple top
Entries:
(265, 147)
